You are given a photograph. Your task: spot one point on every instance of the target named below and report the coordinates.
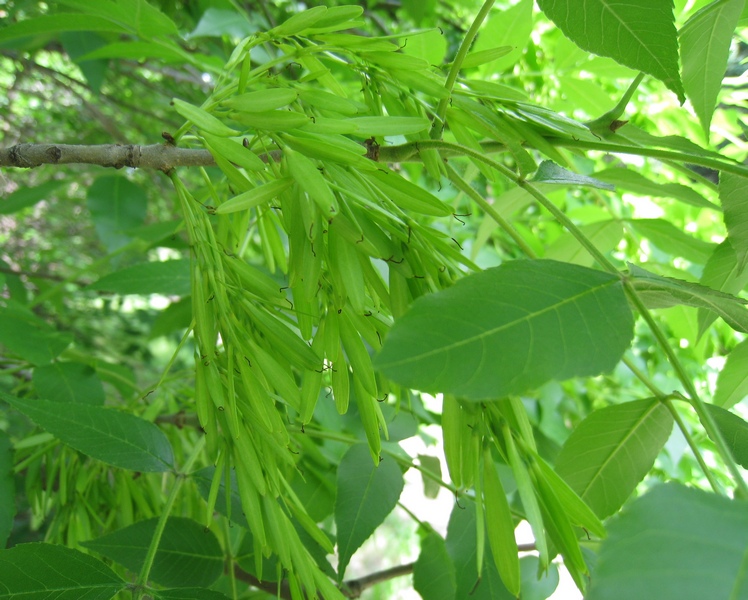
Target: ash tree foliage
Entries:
(338, 227)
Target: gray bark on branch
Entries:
(163, 157)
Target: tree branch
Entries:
(352, 588)
(163, 157)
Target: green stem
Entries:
(696, 159)
(666, 400)
(142, 580)
(698, 404)
(539, 196)
(466, 188)
(409, 152)
(327, 435)
(467, 42)
(604, 122)
(694, 448)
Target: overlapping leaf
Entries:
(661, 292)
(68, 382)
(434, 576)
(116, 438)
(688, 543)
(461, 545)
(28, 336)
(732, 382)
(636, 33)
(704, 50)
(44, 571)
(611, 451)
(604, 235)
(734, 430)
(668, 238)
(510, 27)
(550, 172)
(508, 329)
(366, 495)
(188, 555)
(116, 205)
(632, 181)
(733, 195)
(721, 273)
(171, 277)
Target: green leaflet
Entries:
(111, 436)
(32, 571)
(366, 495)
(612, 450)
(650, 547)
(433, 573)
(735, 432)
(704, 50)
(732, 382)
(636, 33)
(734, 200)
(508, 329)
(171, 277)
(721, 273)
(188, 555)
(68, 382)
(662, 292)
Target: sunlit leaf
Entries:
(508, 27)
(668, 238)
(612, 450)
(734, 430)
(732, 381)
(604, 235)
(171, 277)
(216, 22)
(704, 49)
(366, 495)
(550, 172)
(509, 329)
(721, 273)
(686, 542)
(111, 436)
(637, 33)
(633, 181)
(44, 571)
(733, 195)
(662, 292)
(188, 555)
